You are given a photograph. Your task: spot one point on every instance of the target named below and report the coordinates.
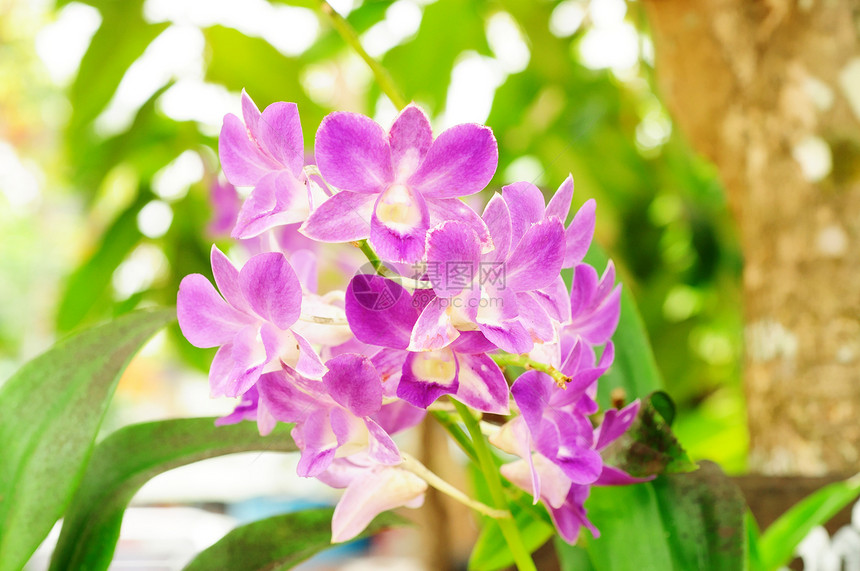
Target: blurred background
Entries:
(109, 116)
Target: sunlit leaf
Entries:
(50, 412)
(130, 457)
(778, 542)
(279, 542)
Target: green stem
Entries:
(371, 256)
(449, 424)
(494, 483)
(507, 359)
(383, 78)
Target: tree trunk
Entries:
(770, 91)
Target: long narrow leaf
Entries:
(50, 412)
(279, 542)
(777, 544)
(126, 460)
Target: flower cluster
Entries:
(452, 293)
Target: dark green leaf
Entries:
(678, 522)
(279, 542)
(129, 458)
(50, 412)
(649, 447)
(778, 542)
(664, 405)
(572, 557)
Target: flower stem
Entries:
(383, 78)
(506, 359)
(494, 483)
(413, 465)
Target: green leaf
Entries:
(491, 550)
(777, 544)
(279, 542)
(572, 557)
(50, 412)
(130, 457)
(649, 446)
(677, 522)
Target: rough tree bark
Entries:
(770, 92)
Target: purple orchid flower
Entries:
(332, 416)
(252, 323)
(490, 292)
(396, 186)
(551, 483)
(461, 369)
(267, 153)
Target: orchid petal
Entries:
(371, 300)
(559, 204)
(308, 363)
(398, 416)
(410, 137)
(344, 217)
(249, 357)
(615, 423)
(281, 134)
(536, 260)
(579, 234)
(272, 288)
(454, 209)
(278, 199)
(389, 364)
(227, 279)
(352, 153)
(526, 205)
(205, 319)
(534, 317)
(532, 392)
(498, 219)
(370, 494)
(434, 329)
(320, 443)
(472, 343)
(242, 160)
(454, 248)
(508, 336)
(461, 161)
(220, 371)
(353, 382)
(380, 447)
(482, 384)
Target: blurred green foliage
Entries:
(661, 212)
